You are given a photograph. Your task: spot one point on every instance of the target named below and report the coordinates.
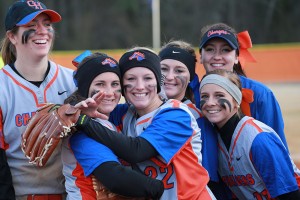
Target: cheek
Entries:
(202, 102)
(184, 80)
(92, 92)
(224, 103)
(26, 35)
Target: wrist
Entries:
(82, 121)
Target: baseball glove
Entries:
(45, 129)
(103, 193)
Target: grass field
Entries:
(277, 66)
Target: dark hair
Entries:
(187, 47)
(236, 67)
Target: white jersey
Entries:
(79, 181)
(19, 101)
(173, 132)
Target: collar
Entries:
(227, 130)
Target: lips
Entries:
(217, 64)
(213, 111)
(140, 94)
(40, 41)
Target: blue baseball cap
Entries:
(220, 33)
(23, 12)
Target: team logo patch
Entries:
(217, 32)
(109, 62)
(138, 56)
(35, 4)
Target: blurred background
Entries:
(115, 25)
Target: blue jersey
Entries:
(265, 107)
(173, 131)
(78, 167)
(257, 164)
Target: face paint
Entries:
(152, 86)
(222, 103)
(202, 102)
(118, 91)
(26, 35)
(94, 92)
(127, 87)
(184, 81)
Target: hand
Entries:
(90, 106)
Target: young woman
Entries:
(221, 48)
(178, 63)
(31, 80)
(100, 73)
(162, 137)
(253, 161)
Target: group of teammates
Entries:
(164, 146)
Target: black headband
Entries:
(180, 55)
(141, 58)
(89, 70)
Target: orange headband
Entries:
(245, 43)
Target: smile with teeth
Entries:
(107, 100)
(217, 65)
(140, 95)
(213, 111)
(170, 84)
(40, 41)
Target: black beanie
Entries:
(180, 55)
(141, 58)
(89, 70)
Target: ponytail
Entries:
(8, 50)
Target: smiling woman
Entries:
(160, 137)
(254, 143)
(31, 81)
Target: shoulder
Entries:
(61, 68)
(257, 87)
(250, 83)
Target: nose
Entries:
(169, 75)
(41, 29)
(140, 84)
(217, 55)
(211, 101)
(109, 91)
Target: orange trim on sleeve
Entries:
(187, 167)
(85, 184)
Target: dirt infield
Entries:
(278, 67)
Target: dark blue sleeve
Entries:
(265, 107)
(209, 148)
(195, 85)
(272, 161)
(116, 115)
(89, 153)
(169, 131)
